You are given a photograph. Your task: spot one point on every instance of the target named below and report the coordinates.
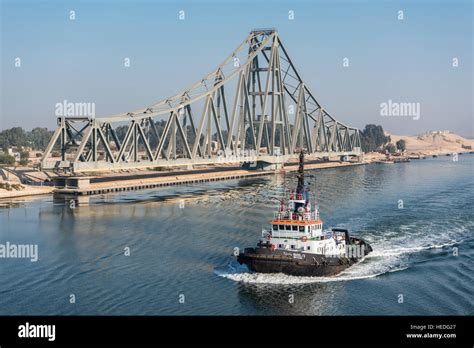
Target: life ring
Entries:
(268, 236)
(304, 239)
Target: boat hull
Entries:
(266, 260)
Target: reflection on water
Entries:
(291, 299)
(181, 240)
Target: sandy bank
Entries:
(26, 191)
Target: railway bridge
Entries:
(253, 108)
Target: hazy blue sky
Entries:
(82, 60)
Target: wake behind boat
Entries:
(297, 245)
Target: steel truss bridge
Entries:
(270, 117)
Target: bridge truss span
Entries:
(253, 107)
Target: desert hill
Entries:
(435, 143)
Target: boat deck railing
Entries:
(296, 216)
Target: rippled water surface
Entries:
(187, 249)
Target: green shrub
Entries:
(401, 145)
(7, 159)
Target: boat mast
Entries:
(300, 187)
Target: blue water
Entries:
(181, 241)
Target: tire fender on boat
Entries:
(316, 261)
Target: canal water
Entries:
(169, 251)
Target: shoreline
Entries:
(172, 179)
(27, 191)
(372, 157)
(175, 178)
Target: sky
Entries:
(82, 60)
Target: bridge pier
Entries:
(74, 182)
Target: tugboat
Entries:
(296, 243)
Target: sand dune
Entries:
(434, 143)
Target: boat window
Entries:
(292, 247)
(281, 227)
(275, 227)
(301, 228)
(309, 248)
(288, 227)
(295, 228)
(279, 245)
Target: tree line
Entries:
(38, 138)
(373, 138)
